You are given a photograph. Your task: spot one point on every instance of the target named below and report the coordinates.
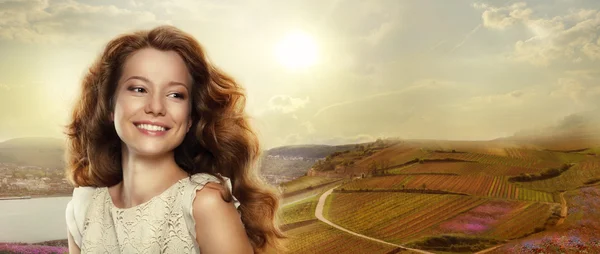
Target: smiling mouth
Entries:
(154, 128)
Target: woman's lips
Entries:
(152, 133)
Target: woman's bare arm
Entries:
(219, 228)
(73, 249)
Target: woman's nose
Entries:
(155, 105)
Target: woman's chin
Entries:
(150, 150)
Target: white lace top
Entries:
(163, 224)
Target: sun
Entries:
(297, 50)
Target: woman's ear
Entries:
(112, 117)
(189, 125)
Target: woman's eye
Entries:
(179, 95)
(136, 89)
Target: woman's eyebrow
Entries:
(172, 83)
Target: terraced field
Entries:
(411, 216)
(319, 237)
(465, 168)
(495, 159)
(306, 182)
(476, 185)
(300, 211)
(469, 200)
(497, 219)
(545, 155)
(581, 174)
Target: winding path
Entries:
(319, 215)
(563, 208)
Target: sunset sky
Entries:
(329, 72)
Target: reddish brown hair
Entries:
(220, 141)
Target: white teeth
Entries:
(151, 127)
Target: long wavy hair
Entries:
(220, 141)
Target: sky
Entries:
(455, 70)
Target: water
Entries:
(33, 220)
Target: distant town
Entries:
(17, 181)
(34, 181)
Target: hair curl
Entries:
(220, 141)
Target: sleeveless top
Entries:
(163, 224)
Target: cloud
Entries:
(504, 100)
(421, 87)
(503, 17)
(4, 87)
(355, 139)
(395, 112)
(584, 93)
(568, 87)
(513, 111)
(67, 21)
(592, 50)
(584, 73)
(361, 31)
(365, 19)
(286, 104)
(572, 36)
(309, 127)
(292, 139)
(296, 139)
(379, 34)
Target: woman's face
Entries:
(152, 110)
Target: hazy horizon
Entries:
(466, 70)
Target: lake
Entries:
(33, 220)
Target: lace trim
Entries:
(142, 205)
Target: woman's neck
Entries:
(145, 177)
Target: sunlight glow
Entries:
(297, 50)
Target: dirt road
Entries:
(319, 215)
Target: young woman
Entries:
(162, 156)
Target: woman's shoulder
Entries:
(76, 211)
(204, 177)
(83, 191)
(210, 199)
(199, 180)
(82, 197)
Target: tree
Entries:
(384, 163)
(372, 166)
(552, 172)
